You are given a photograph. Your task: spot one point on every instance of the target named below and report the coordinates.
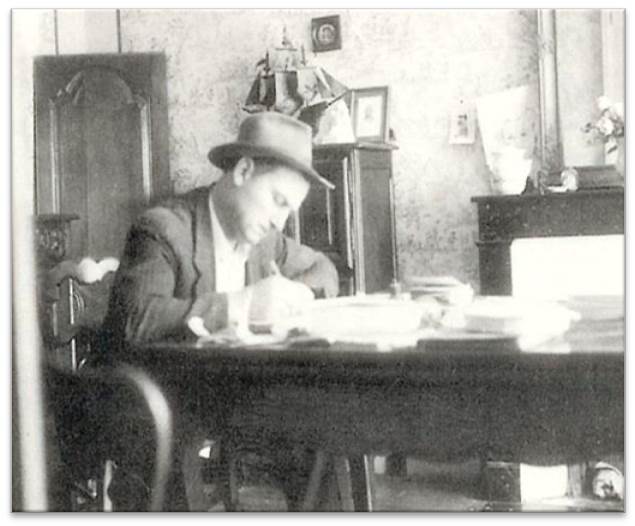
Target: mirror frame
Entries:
(613, 54)
(550, 143)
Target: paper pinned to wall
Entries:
(462, 124)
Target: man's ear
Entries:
(243, 171)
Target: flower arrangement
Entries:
(610, 125)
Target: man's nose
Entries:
(279, 220)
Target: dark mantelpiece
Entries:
(503, 218)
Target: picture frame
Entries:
(369, 113)
(326, 34)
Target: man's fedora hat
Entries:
(275, 136)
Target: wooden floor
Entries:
(427, 487)
(431, 487)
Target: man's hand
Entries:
(277, 297)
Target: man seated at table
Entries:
(216, 257)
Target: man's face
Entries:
(264, 201)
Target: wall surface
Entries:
(430, 59)
(47, 32)
(33, 34)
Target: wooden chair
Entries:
(97, 411)
(73, 300)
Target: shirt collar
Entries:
(221, 243)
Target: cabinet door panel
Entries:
(317, 227)
(375, 179)
(98, 153)
(325, 219)
(354, 224)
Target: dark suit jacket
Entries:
(167, 272)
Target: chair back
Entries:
(73, 304)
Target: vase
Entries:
(619, 157)
(509, 170)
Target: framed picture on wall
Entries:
(369, 113)
(326, 34)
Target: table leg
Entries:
(396, 465)
(344, 483)
(315, 482)
(192, 466)
(108, 472)
(228, 475)
(362, 482)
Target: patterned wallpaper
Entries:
(430, 59)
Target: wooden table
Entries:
(443, 400)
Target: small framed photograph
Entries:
(369, 113)
(326, 34)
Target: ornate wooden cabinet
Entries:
(353, 224)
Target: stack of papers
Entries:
(366, 316)
(446, 289)
(533, 322)
(375, 321)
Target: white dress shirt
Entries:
(229, 257)
(229, 263)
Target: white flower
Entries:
(606, 126)
(610, 124)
